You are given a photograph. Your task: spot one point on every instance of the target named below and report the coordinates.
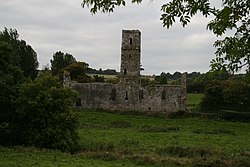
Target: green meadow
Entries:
(130, 139)
(193, 100)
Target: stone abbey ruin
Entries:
(128, 93)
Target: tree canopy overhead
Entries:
(233, 52)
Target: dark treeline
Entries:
(100, 71)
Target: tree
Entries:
(10, 77)
(213, 98)
(233, 52)
(17, 61)
(22, 55)
(28, 62)
(226, 94)
(61, 60)
(98, 78)
(77, 72)
(43, 117)
(162, 79)
(234, 93)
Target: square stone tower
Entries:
(130, 56)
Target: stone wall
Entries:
(95, 95)
(119, 97)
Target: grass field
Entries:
(193, 100)
(109, 139)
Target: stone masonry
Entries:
(129, 94)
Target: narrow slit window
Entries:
(126, 96)
(125, 71)
(131, 41)
(163, 95)
(130, 56)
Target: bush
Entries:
(43, 117)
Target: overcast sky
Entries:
(63, 25)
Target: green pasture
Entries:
(129, 139)
(193, 100)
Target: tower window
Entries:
(129, 56)
(126, 96)
(125, 71)
(131, 41)
(163, 95)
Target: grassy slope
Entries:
(130, 140)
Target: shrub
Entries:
(43, 117)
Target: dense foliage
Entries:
(197, 82)
(61, 60)
(34, 110)
(162, 79)
(77, 72)
(233, 52)
(17, 53)
(229, 94)
(101, 71)
(43, 117)
(17, 62)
